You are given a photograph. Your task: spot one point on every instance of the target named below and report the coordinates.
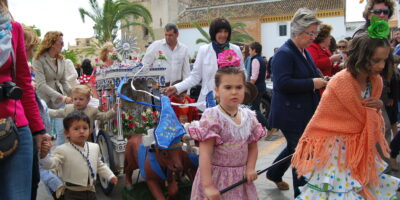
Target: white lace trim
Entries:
(243, 131)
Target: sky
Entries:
(63, 15)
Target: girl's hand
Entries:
(251, 175)
(390, 102)
(212, 193)
(372, 103)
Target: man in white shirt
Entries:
(176, 54)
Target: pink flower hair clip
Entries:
(228, 58)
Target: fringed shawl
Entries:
(340, 114)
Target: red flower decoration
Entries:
(130, 117)
(131, 125)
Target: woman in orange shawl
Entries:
(337, 151)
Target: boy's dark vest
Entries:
(260, 83)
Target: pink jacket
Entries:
(28, 103)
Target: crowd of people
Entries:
(336, 104)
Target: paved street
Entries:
(268, 150)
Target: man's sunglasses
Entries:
(341, 47)
(380, 11)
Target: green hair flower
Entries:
(378, 29)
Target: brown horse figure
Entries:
(171, 161)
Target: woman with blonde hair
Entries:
(31, 40)
(105, 53)
(51, 80)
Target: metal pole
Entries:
(119, 120)
(285, 159)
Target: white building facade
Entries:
(268, 20)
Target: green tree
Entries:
(71, 54)
(109, 18)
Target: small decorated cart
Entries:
(108, 79)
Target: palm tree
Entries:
(108, 19)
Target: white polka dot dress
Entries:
(334, 181)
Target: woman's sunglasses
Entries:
(380, 11)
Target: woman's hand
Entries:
(169, 91)
(212, 193)
(68, 100)
(319, 83)
(373, 103)
(45, 148)
(335, 58)
(114, 180)
(251, 175)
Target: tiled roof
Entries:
(207, 3)
(252, 9)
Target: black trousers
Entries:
(276, 173)
(395, 146)
(255, 105)
(82, 195)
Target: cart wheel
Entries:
(106, 150)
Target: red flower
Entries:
(123, 115)
(154, 113)
(131, 125)
(159, 52)
(96, 60)
(130, 117)
(156, 118)
(144, 118)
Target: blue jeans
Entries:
(50, 180)
(58, 127)
(16, 171)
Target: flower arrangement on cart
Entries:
(133, 124)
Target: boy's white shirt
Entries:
(74, 167)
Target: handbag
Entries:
(9, 138)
